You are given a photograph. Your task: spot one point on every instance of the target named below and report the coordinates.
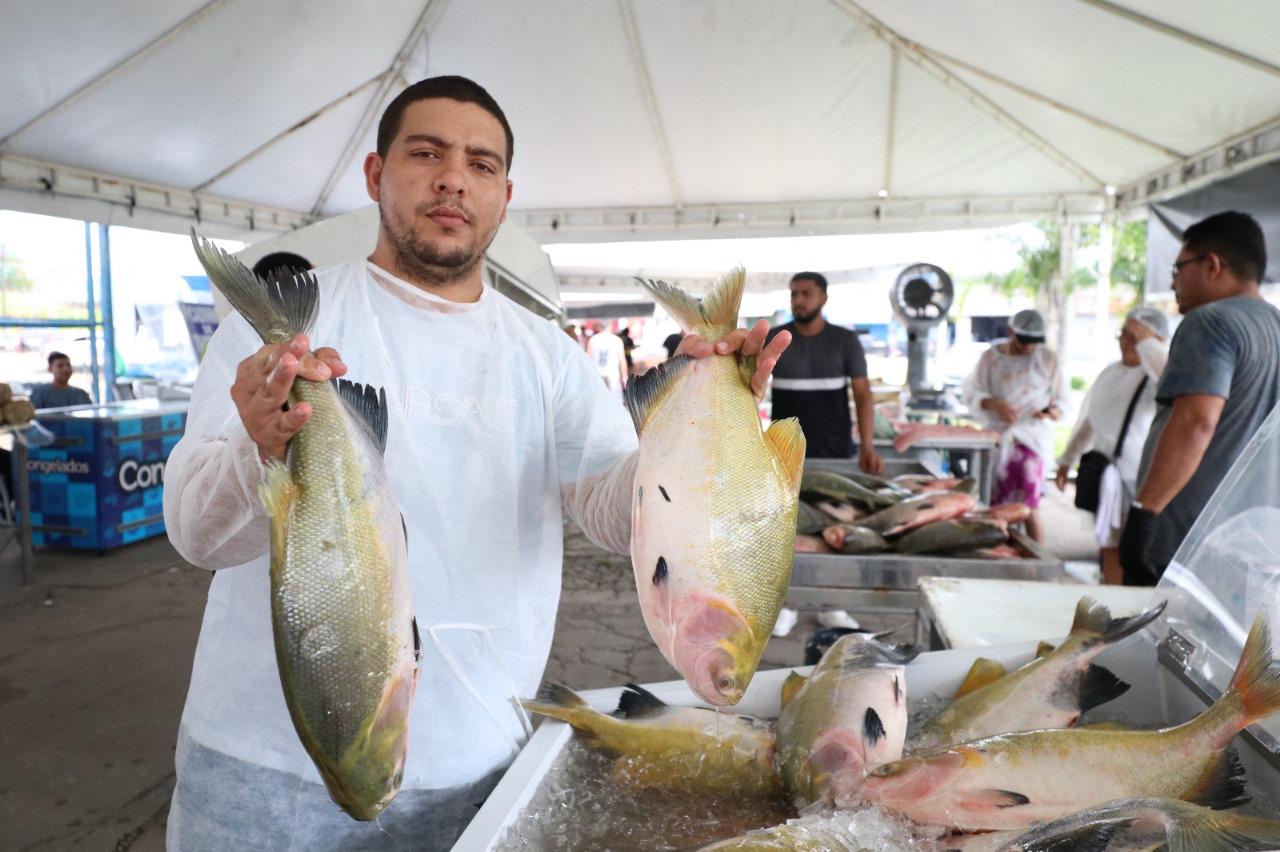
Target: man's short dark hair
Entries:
(58, 356)
(280, 264)
(1233, 236)
(816, 277)
(452, 87)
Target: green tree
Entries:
(1129, 258)
(13, 276)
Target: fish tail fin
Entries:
(1199, 830)
(278, 309)
(786, 439)
(645, 392)
(558, 702)
(1098, 686)
(1093, 617)
(1256, 682)
(1222, 784)
(711, 317)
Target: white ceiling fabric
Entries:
(784, 104)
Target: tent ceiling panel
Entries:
(775, 115)
(775, 100)
(221, 88)
(563, 74)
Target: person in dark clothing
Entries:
(627, 346)
(280, 264)
(811, 380)
(672, 343)
(58, 393)
(1221, 382)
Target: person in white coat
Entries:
(1016, 389)
(1144, 350)
(498, 422)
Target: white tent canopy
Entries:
(641, 118)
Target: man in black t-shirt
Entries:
(811, 379)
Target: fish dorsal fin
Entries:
(711, 317)
(1043, 649)
(636, 702)
(646, 392)
(983, 672)
(277, 309)
(1221, 787)
(786, 439)
(555, 693)
(1098, 686)
(369, 405)
(791, 686)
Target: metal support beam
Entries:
(374, 107)
(108, 315)
(650, 99)
(886, 185)
(115, 70)
(1058, 105)
(1188, 37)
(93, 312)
(1102, 294)
(933, 68)
(134, 199)
(289, 132)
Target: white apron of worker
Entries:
(496, 419)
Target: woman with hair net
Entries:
(1124, 390)
(1016, 389)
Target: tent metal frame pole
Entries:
(1184, 36)
(1048, 101)
(933, 68)
(93, 312)
(108, 315)
(650, 99)
(886, 185)
(386, 80)
(284, 134)
(115, 70)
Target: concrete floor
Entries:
(96, 654)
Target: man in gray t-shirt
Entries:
(1221, 382)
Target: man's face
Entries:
(1128, 348)
(61, 370)
(1194, 277)
(442, 189)
(807, 299)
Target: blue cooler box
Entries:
(101, 483)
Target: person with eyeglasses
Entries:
(1221, 382)
(1112, 427)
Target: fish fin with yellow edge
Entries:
(983, 672)
(1213, 831)
(1098, 686)
(1044, 649)
(277, 492)
(646, 392)
(791, 686)
(559, 702)
(1256, 682)
(786, 439)
(1222, 784)
(711, 317)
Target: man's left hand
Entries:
(870, 461)
(746, 342)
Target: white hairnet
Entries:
(1152, 317)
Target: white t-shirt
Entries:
(606, 351)
(497, 419)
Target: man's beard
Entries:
(417, 259)
(805, 319)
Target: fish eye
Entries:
(726, 683)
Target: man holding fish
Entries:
(481, 411)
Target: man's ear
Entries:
(373, 175)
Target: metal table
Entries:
(18, 526)
(976, 454)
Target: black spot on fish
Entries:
(640, 496)
(665, 496)
(660, 573)
(417, 642)
(1010, 799)
(897, 690)
(872, 727)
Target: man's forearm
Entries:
(866, 414)
(1180, 449)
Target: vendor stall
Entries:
(968, 456)
(100, 484)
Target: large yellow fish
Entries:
(345, 636)
(1012, 780)
(714, 513)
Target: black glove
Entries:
(1135, 547)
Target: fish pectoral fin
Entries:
(791, 686)
(1044, 649)
(1222, 785)
(277, 492)
(986, 800)
(983, 672)
(1098, 686)
(786, 439)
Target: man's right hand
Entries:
(261, 391)
(1003, 410)
(1061, 479)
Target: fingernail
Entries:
(324, 371)
(722, 348)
